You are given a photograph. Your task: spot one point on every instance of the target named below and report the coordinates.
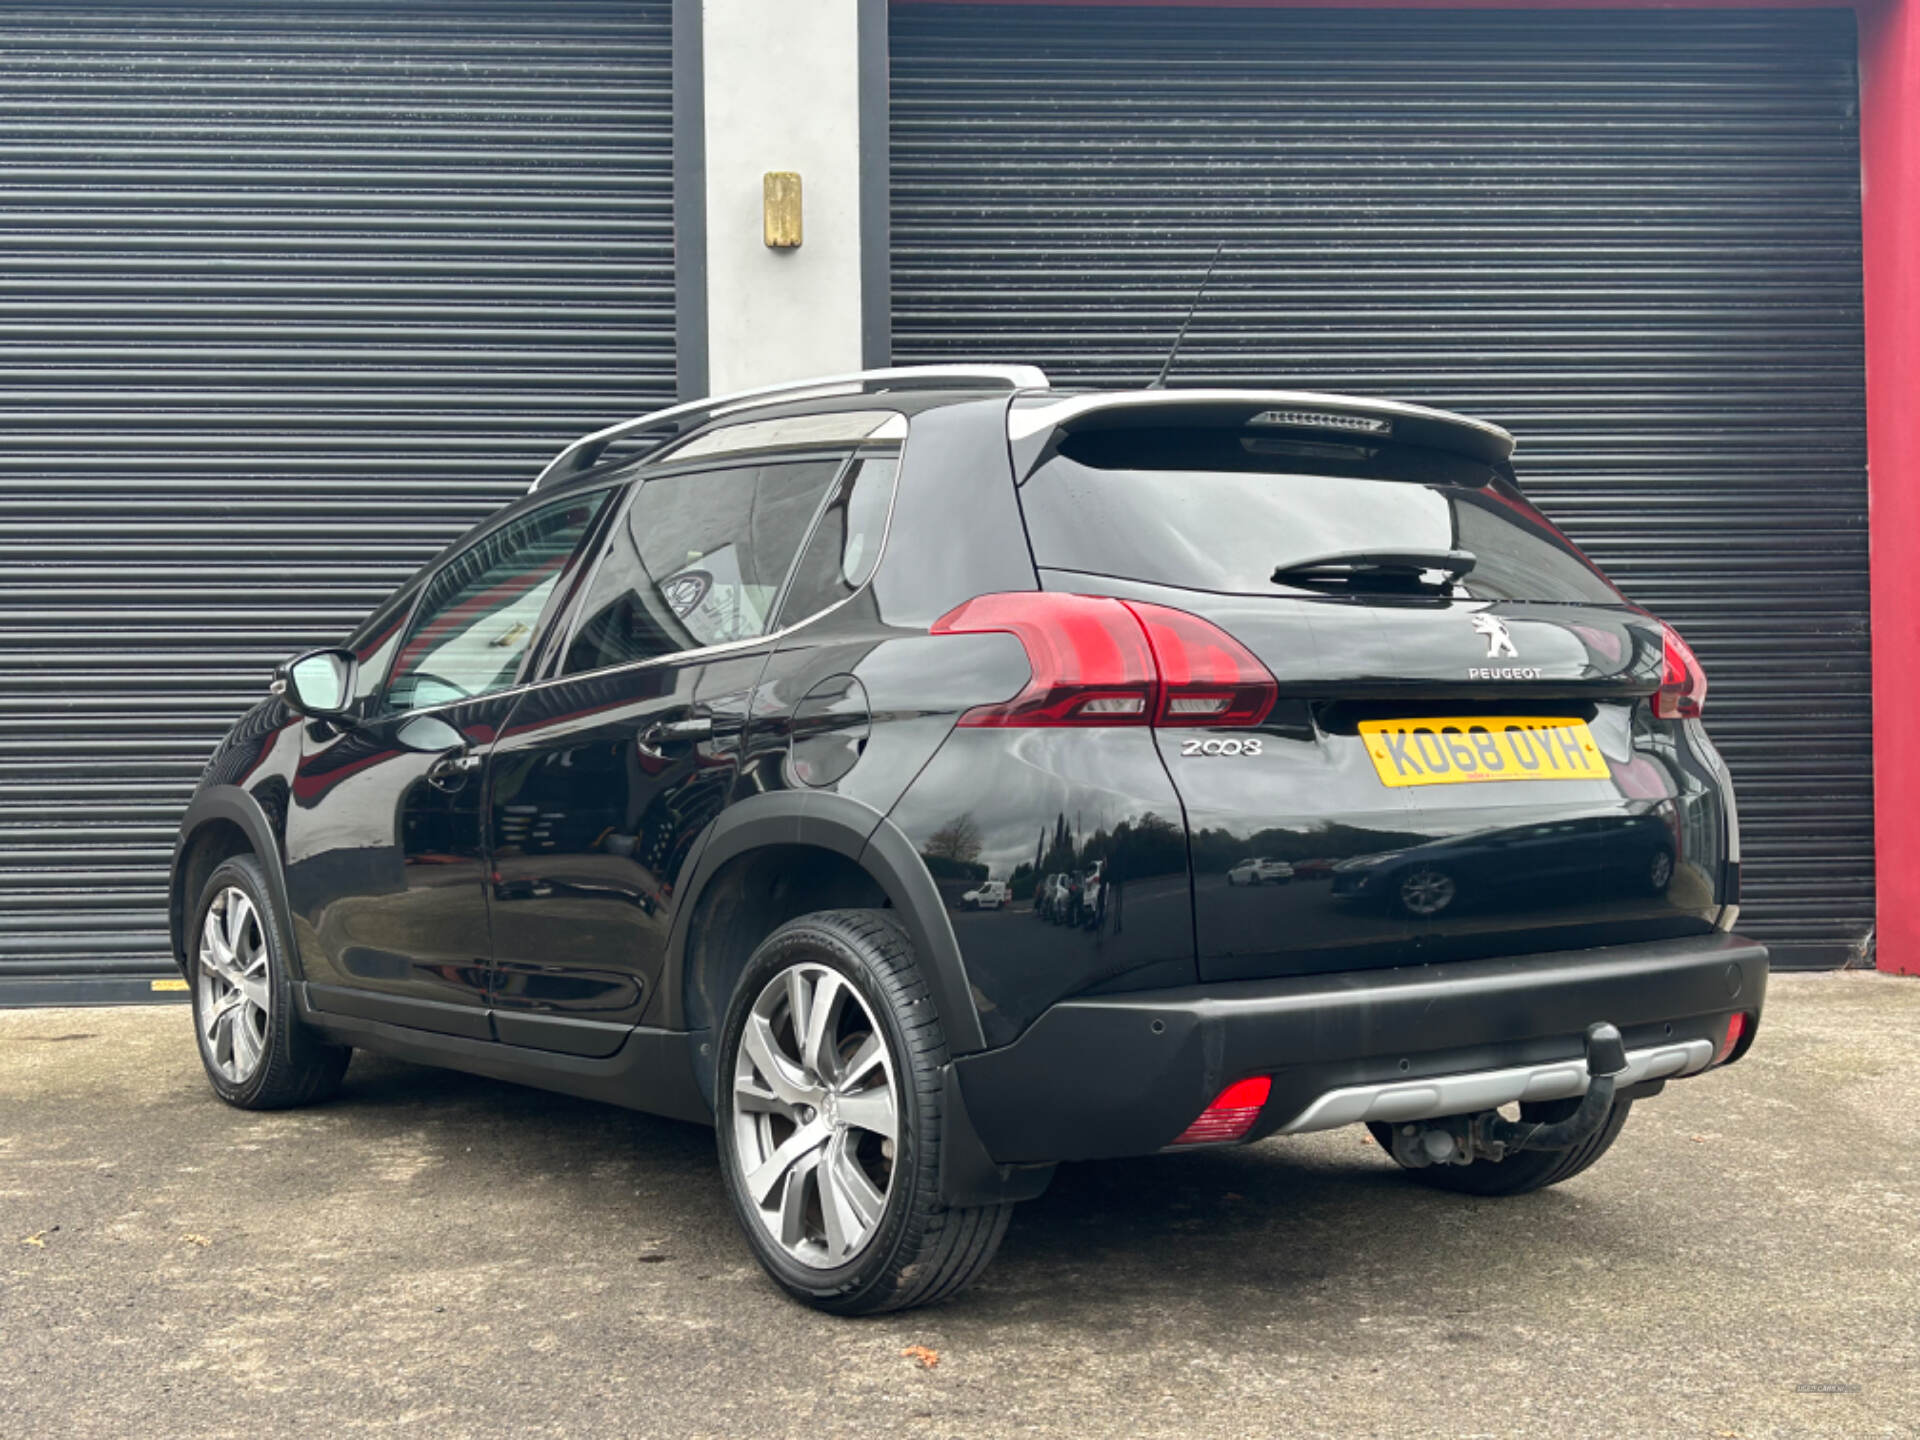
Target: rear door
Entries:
(1461, 760)
(611, 768)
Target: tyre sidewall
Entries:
(819, 944)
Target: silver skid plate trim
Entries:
(1487, 1089)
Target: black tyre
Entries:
(1528, 1171)
(829, 1121)
(257, 1054)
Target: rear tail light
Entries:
(1736, 1032)
(1231, 1115)
(1206, 676)
(1683, 684)
(1099, 661)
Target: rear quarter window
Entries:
(1220, 510)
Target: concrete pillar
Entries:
(784, 85)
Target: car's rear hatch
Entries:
(1460, 759)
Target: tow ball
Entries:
(1489, 1135)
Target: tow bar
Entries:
(1489, 1135)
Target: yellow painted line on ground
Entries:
(169, 985)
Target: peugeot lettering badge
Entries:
(1499, 643)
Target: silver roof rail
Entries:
(676, 420)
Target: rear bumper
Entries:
(1115, 1075)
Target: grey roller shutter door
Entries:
(1631, 237)
(289, 296)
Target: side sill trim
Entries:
(653, 1071)
(1487, 1089)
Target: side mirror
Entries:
(318, 684)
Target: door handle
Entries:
(654, 739)
(454, 767)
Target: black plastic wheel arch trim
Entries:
(846, 827)
(230, 803)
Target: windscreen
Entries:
(1230, 511)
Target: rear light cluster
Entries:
(1683, 684)
(1099, 661)
(1231, 1115)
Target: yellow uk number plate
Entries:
(1457, 751)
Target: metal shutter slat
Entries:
(1633, 238)
(293, 296)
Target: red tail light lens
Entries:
(1736, 1032)
(1206, 676)
(1099, 661)
(1683, 684)
(1091, 663)
(1231, 1115)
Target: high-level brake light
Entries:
(1683, 684)
(1231, 1115)
(1100, 661)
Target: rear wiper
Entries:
(1376, 569)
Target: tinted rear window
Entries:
(1221, 510)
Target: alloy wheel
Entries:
(234, 992)
(1660, 872)
(1427, 892)
(816, 1115)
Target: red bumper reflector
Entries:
(1231, 1114)
(1736, 1031)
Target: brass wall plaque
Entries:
(781, 193)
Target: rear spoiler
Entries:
(1035, 419)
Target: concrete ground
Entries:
(445, 1256)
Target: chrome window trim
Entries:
(853, 427)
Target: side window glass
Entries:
(845, 546)
(480, 609)
(698, 561)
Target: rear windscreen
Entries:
(1223, 510)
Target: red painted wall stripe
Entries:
(1890, 234)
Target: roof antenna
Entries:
(1160, 380)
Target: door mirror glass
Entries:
(319, 683)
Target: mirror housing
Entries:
(318, 684)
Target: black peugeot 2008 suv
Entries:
(668, 784)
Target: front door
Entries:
(386, 857)
(609, 772)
